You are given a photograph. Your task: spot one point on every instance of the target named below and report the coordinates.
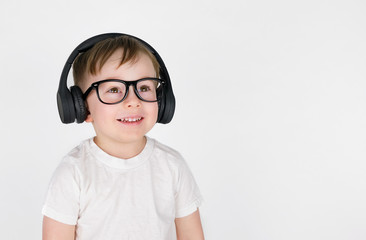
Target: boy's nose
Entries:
(132, 100)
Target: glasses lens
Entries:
(147, 89)
(111, 92)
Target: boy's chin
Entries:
(122, 137)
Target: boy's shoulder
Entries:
(167, 154)
(81, 148)
(163, 148)
(78, 153)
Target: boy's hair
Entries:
(92, 61)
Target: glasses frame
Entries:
(95, 86)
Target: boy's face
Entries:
(106, 119)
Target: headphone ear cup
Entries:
(161, 104)
(65, 106)
(80, 108)
(169, 108)
(166, 105)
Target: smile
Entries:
(130, 120)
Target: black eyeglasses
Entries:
(113, 91)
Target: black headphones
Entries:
(71, 105)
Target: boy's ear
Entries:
(88, 118)
(88, 115)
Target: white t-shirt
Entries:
(111, 198)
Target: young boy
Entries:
(121, 184)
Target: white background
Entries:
(271, 108)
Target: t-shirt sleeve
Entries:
(62, 199)
(188, 197)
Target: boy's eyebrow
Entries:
(118, 78)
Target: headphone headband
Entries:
(71, 106)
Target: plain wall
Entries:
(271, 108)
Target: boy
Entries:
(121, 184)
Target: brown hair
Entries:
(92, 61)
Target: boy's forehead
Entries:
(116, 58)
(114, 61)
(112, 68)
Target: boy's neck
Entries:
(123, 150)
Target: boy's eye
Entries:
(144, 88)
(113, 90)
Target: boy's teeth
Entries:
(130, 119)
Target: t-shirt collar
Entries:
(119, 163)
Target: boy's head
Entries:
(89, 58)
(116, 76)
(92, 61)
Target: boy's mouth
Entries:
(130, 119)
